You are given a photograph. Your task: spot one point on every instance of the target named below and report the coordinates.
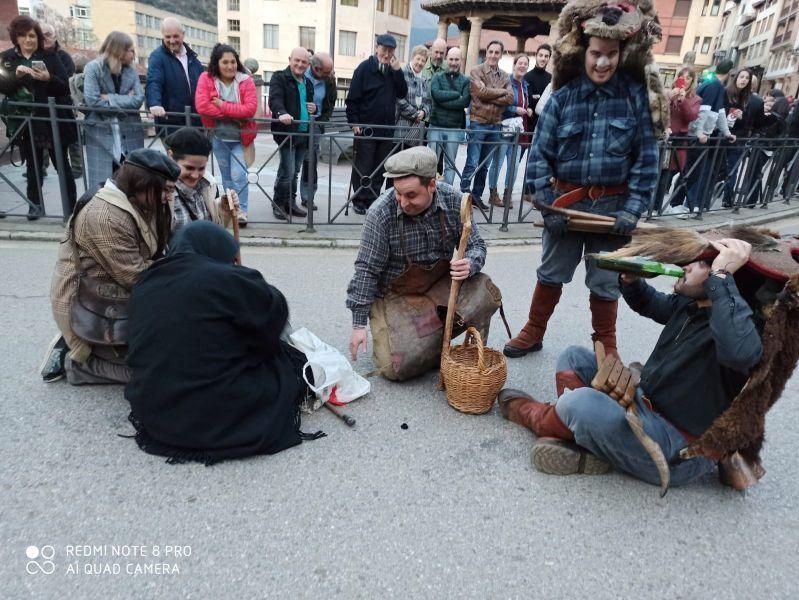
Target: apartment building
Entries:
(782, 70)
(267, 30)
(143, 23)
(670, 51)
(755, 32)
(71, 18)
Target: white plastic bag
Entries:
(334, 378)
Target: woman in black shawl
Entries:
(211, 379)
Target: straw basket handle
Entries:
(466, 221)
(473, 336)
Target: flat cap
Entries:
(419, 160)
(387, 40)
(155, 162)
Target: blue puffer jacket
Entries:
(166, 81)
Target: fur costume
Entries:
(769, 282)
(635, 23)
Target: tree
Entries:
(67, 31)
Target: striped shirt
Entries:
(381, 259)
(596, 135)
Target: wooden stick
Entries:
(586, 216)
(235, 215)
(344, 417)
(466, 221)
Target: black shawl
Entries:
(211, 379)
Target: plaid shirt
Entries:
(189, 204)
(380, 258)
(596, 135)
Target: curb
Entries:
(350, 243)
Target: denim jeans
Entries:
(308, 191)
(508, 151)
(292, 154)
(561, 255)
(599, 425)
(482, 142)
(735, 172)
(230, 157)
(449, 139)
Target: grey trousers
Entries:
(105, 364)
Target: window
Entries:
(706, 45)
(233, 5)
(308, 37)
(714, 10)
(349, 2)
(400, 8)
(682, 8)
(140, 41)
(770, 21)
(270, 37)
(696, 44)
(79, 12)
(268, 76)
(233, 25)
(346, 42)
(381, 5)
(673, 44)
(235, 43)
(704, 7)
(402, 44)
(140, 19)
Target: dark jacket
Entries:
(537, 80)
(450, 95)
(373, 96)
(284, 98)
(65, 58)
(703, 356)
(329, 103)
(57, 87)
(166, 83)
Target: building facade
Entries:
(782, 70)
(267, 30)
(670, 52)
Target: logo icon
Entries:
(44, 564)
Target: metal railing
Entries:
(753, 171)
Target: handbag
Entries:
(512, 125)
(99, 309)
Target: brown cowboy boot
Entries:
(530, 338)
(567, 380)
(538, 417)
(493, 198)
(603, 320)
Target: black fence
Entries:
(716, 176)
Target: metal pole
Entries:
(309, 228)
(187, 112)
(511, 176)
(59, 161)
(333, 28)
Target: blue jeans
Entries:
(449, 139)
(308, 191)
(561, 255)
(509, 151)
(230, 158)
(292, 154)
(599, 425)
(482, 141)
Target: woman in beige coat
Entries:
(111, 239)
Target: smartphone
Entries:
(38, 65)
(679, 83)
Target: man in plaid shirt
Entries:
(417, 222)
(594, 150)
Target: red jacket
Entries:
(681, 115)
(244, 111)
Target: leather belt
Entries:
(573, 193)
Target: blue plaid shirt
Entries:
(596, 135)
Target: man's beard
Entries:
(695, 292)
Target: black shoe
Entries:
(358, 209)
(296, 211)
(514, 352)
(280, 215)
(52, 367)
(305, 205)
(34, 214)
(479, 203)
(2, 214)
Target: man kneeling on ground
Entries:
(700, 363)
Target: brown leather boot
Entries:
(603, 320)
(531, 337)
(493, 198)
(540, 418)
(567, 380)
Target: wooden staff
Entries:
(344, 417)
(466, 221)
(234, 211)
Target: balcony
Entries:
(747, 17)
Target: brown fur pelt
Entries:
(741, 427)
(638, 29)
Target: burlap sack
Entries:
(408, 330)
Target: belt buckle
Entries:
(599, 195)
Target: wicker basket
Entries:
(472, 374)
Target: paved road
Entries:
(449, 507)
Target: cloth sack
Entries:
(332, 377)
(512, 125)
(408, 329)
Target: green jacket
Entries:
(429, 71)
(450, 95)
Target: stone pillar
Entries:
(464, 46)
(473, 53)
(443, 25)
(521, 42)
